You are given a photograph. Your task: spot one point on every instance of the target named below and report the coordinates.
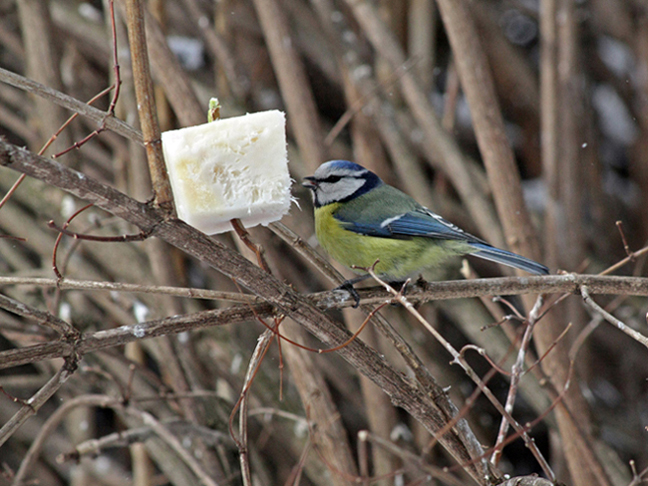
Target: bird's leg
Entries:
(348, 286)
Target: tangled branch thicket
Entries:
(136, 350)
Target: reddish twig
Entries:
(103, 239)
(110, 112)
(356, 334)
(245, 238)
(626, 246)
(60, 237)
(12, 189)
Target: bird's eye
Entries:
(332, 179)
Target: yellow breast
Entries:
(399, 258)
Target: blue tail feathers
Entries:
(508, 258)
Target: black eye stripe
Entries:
(332, 179)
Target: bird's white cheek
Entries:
(331, 192)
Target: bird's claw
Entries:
(348, 286)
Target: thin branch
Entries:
(260, 350)
(105, 401)
(32, 405)
(187, 292)
(637, 336)
(293, 81)
(211, 252)
(409, 457)
(460, 170)
(121, 335)
(64, 329)
(516, 376)
(630, 258)
(102, 239)
(306, 251)
(100, 117)
(458, 359)
(125, 438)
(239, 86)
(163, 433)
(339, 299)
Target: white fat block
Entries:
(230, 168)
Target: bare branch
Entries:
(32, 405)
(72, 104)
(637, 336)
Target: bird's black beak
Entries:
(309, 182)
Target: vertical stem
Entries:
(571, 247)
(638, 167)
(574, 428)
(504, 178)
(460, 170)
(42, 63)
(291, 76)
(422, 39)
(174, 358)
(145, 104)
(477, 83)
(549, 122)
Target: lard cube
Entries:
(230, 168)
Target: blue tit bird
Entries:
(359, 219)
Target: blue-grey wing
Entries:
(419, 222)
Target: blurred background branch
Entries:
(510, 118)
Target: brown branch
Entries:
(104, 401)
(42, 59)
(263, 344)
(103, 239)
(293, 82)
(32, 405)
(461, 171)
(339, 299)
(637, 336)
(504, 178)
(100, 117)
(211, 252)
(474, 73)
(516, 376)
(219, 50)
(73, 284)
(125, 438)
(46, 319)
(232, 264)
(460, 360)
(527, 481)
(145, 105)
(409, 457)
(126, 334)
